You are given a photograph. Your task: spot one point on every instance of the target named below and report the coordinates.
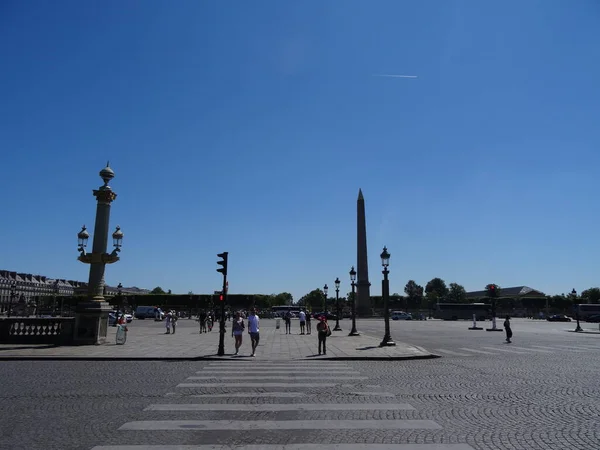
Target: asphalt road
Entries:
(542, 395)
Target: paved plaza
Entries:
(146, 339)
(480, 395)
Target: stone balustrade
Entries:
(30, 330)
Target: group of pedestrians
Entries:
(238, 327)
(305, 325)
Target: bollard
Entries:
(475, 327)
(277, 324)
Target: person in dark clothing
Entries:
(323, 331)
(507, 329)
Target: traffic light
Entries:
(492, 290)
(223, 263)
(221, 297)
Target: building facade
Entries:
(28, 288)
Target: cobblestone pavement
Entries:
(545, 401)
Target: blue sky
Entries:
(250, 126)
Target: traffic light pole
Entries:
(223, 270)
(221, 350)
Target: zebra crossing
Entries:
(518, 350)
(216, 400)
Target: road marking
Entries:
(504, 350)
(291, 447)
(291, 364)
(278, 407)
(278, 372)
(450, 352)
(570, 347)
(252, 425)
(477, 351)
(254, 385)
(555, 349)
(255, 395)
(278, 377)
(373, 394)
(530, 349)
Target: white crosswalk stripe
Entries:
(555, 349)
(505, 350)
(450, 352)
(296, 396)
(530, 349)
(477, 351)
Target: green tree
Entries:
(438, 286)
(284, 298)
(414, 293)
(314, 299)
(591, 295)
(456, 293)
(157, 291)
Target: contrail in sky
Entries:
(394, 76)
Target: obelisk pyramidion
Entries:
(363, 299)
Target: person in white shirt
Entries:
(302, 316)
(253, 330)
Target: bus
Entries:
(282, 310)
(455, 311)
(586, 310)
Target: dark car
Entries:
(558, 318)
(329, 316)
(594, 319)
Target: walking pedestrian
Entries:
(237, 331)
(302, 317)
(323, 331)
(202, 320)
(507, 329)
(288, 322)
(253, 330)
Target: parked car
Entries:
(594, 319)
(401, 315)
(558, 318)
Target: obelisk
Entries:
(363, 298)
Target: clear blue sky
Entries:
(250, 126)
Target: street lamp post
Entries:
(91, 317)
(13, 293)
(353, 332)
(337, 305)
(385, 292)
(574, 294)
(325, 290)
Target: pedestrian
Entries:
(307, 322)
(173, 320)
(323, 331)
(168, 323)
(253, 330)
(237, 331)
(288, 322)
(507, 329)
(302, 317)
(202, 320)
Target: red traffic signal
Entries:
(221, 297)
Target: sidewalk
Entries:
(146, 340)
